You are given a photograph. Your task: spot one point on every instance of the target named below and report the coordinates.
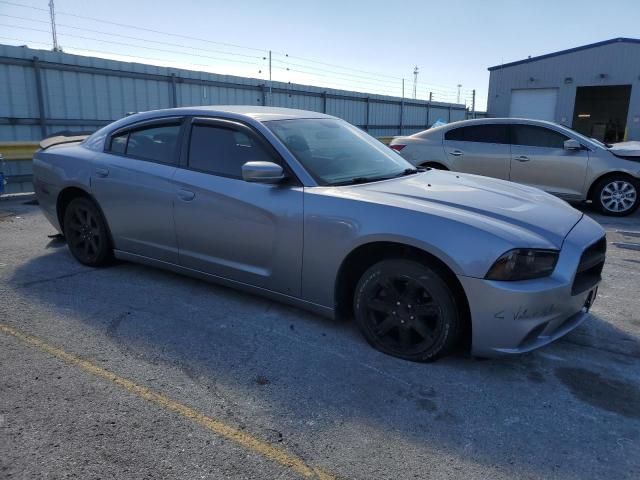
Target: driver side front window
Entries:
(222, 150)
(534, 136)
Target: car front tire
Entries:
(86, 233)
(617, 195)
(406, 309)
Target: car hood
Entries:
(626, 149)
(512, 211)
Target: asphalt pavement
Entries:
(131, 372)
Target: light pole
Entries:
(458, 98)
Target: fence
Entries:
(51, 91)
(43, 92)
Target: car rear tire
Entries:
(86, 233)
(434, 165)
(617, 195)
(407, 309)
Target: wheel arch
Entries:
(363, 256)
(70, 193)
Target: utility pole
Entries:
(430, 96)
(458, 98)
(52, 12)
(270, 77)
(415, 81)
(473, 104)
(401, 110)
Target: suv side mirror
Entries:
(572, 144)
(262, 172)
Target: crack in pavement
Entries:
(59, 277)
(602, 349)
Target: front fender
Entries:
(335, 226)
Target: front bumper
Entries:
(517, 317)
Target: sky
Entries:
(354, 45)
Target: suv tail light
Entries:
(397, 148)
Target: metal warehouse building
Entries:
(594, 89)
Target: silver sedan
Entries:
(541, 154)
(304, 208)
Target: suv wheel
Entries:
(406, 309)
(86, 233)
(617, 195)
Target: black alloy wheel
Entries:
(407, 310)
(86, 233)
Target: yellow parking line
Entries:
(216, 426)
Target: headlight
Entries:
(523, 264)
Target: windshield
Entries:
(337, 153)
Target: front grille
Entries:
(590, 267)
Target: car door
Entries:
(539, 159)
(131, 181)
(247, 232)
(482, 149)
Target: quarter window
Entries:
(479, 133)
(223, 150)
(534, 136)
(119, 143)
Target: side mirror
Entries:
(572, 144)
(262, 172)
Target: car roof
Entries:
(480, 121)
(255, 112)
(484, 121)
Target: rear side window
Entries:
(223, 150)
(534, 136)
(157, 143)
(479, 133)
(456, 134)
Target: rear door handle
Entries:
(186, 195)
(522, 158)
(456, 153)
(102, 172)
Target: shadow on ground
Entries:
(556, 413)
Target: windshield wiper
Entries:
(358, 180)
(410, 171)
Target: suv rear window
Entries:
(495, 133)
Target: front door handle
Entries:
(456, 153)
(102, 172)
(186, 195)
(522, 158)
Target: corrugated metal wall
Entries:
(43, 92)
(611, 64)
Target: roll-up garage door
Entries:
(538, 103)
